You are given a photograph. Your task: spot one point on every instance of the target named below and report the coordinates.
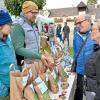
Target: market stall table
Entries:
(69, 91)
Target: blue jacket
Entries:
(85, 53)
(7, 57)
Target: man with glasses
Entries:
(84, 24)
(25, 35)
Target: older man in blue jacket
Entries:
(84, 24)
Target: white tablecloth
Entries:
(70, 90)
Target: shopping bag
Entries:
(30, 93)
(62, 73)
(21, 87)
(15, 86)
(43, 42)
(42, 91)
(53, 81)
(41, 68)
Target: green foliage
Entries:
(40, 3)
(70, 51)
(14, 6)
(91, 2)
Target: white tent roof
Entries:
(42, 20)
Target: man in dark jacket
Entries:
(58, 32)
(66, 31)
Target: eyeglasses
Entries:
(94, 29)
(80, 22)
(34, 13)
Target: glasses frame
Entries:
(80, 22)
(34, 13)
(94, 29)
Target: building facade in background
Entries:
(69, 14)
(2, 4)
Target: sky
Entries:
(52, 4)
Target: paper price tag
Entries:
(24, 80)
(38, 80)
(31, 86)
(30, 72)
(53, 50)
(63, 64)
(59, 48)
(43, 88)
(46, 77)
(57, 69)
(48, 70)
(53, 74)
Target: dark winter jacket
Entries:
(66, 31)
(92, 71)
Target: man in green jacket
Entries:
(25, 35)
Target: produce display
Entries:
(36, 80)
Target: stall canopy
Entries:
(42, 20)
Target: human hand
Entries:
(4, 31)
(45, 60)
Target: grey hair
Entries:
(88, 17)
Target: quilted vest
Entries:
(31, 36)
